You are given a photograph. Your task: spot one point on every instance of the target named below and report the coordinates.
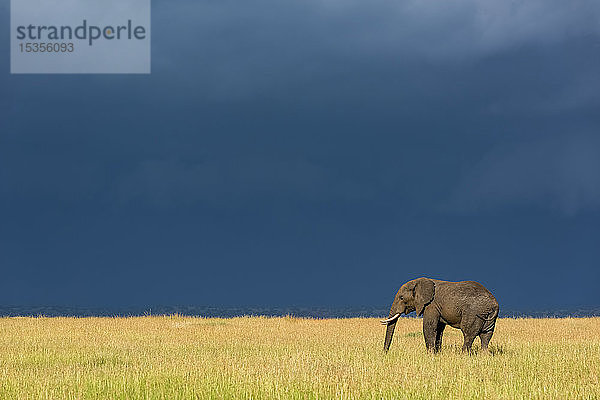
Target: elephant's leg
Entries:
(438, 336)
(469, 338)
(430, 324)
(471, 327)
(485, 340)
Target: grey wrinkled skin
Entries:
(466, 305)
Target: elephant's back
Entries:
(470, 294)
(475, 288)
(479, 298)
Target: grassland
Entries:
(177, 357)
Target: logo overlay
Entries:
(80, 36)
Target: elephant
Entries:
(466, 305)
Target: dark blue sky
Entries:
(311, 153)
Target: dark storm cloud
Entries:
(259, 46)
(331, 59)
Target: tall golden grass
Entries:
(177, 357)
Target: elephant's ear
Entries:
(424, 290)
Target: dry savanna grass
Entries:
(176, 357)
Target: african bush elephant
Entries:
(467, 305)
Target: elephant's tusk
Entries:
(390, 319)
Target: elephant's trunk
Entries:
(388, 335)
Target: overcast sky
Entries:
(306, 152)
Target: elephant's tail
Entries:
(489, 321)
